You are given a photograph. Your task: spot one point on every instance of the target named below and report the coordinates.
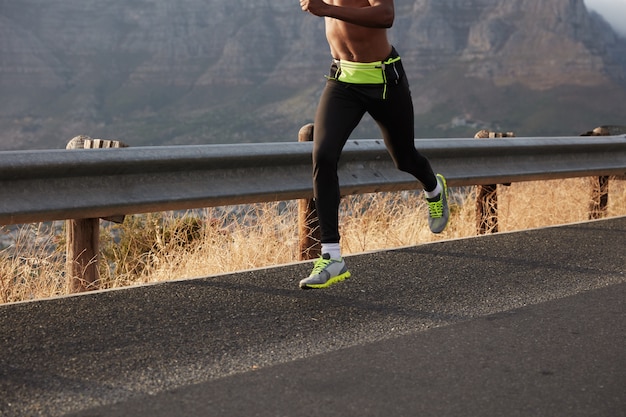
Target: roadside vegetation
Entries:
(167, 246)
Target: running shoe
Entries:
(326, 272)
(438, 210)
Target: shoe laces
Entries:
(320, 265)
(436, 208)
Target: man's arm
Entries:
(378, 14)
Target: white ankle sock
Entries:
(434, 193)
(333, 249)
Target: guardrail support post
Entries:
(83, 235)
(487, 208)
(487, 195)
(599, 185)
(308, 225)
(599, 197)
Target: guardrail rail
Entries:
(98, 183)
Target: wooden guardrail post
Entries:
(308, 224)
(487, 195)
(83, 235)
(599, 203)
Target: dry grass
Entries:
(30, 269)
(166, 246)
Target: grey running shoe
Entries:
(438, 210)
(326, 272)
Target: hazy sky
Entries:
(614, 11)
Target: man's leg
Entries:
(395, 118)
(396, 121)
(337, 116)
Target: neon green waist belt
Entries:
(363, 72)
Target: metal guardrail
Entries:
(59, 184)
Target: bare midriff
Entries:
(353, 42)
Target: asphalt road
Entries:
(522, 324)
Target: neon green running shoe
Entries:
(326, 272)
(438, 210)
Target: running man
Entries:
(366, 75)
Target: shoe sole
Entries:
(445, 192)
(328, 283)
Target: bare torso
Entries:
(353, 42)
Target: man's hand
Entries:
(316, 7)
(367, 13)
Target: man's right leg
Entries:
(337, 115)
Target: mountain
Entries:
(156, 72)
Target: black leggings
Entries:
(341, 108)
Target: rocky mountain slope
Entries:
(152, 72)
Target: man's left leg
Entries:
(395, 117)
